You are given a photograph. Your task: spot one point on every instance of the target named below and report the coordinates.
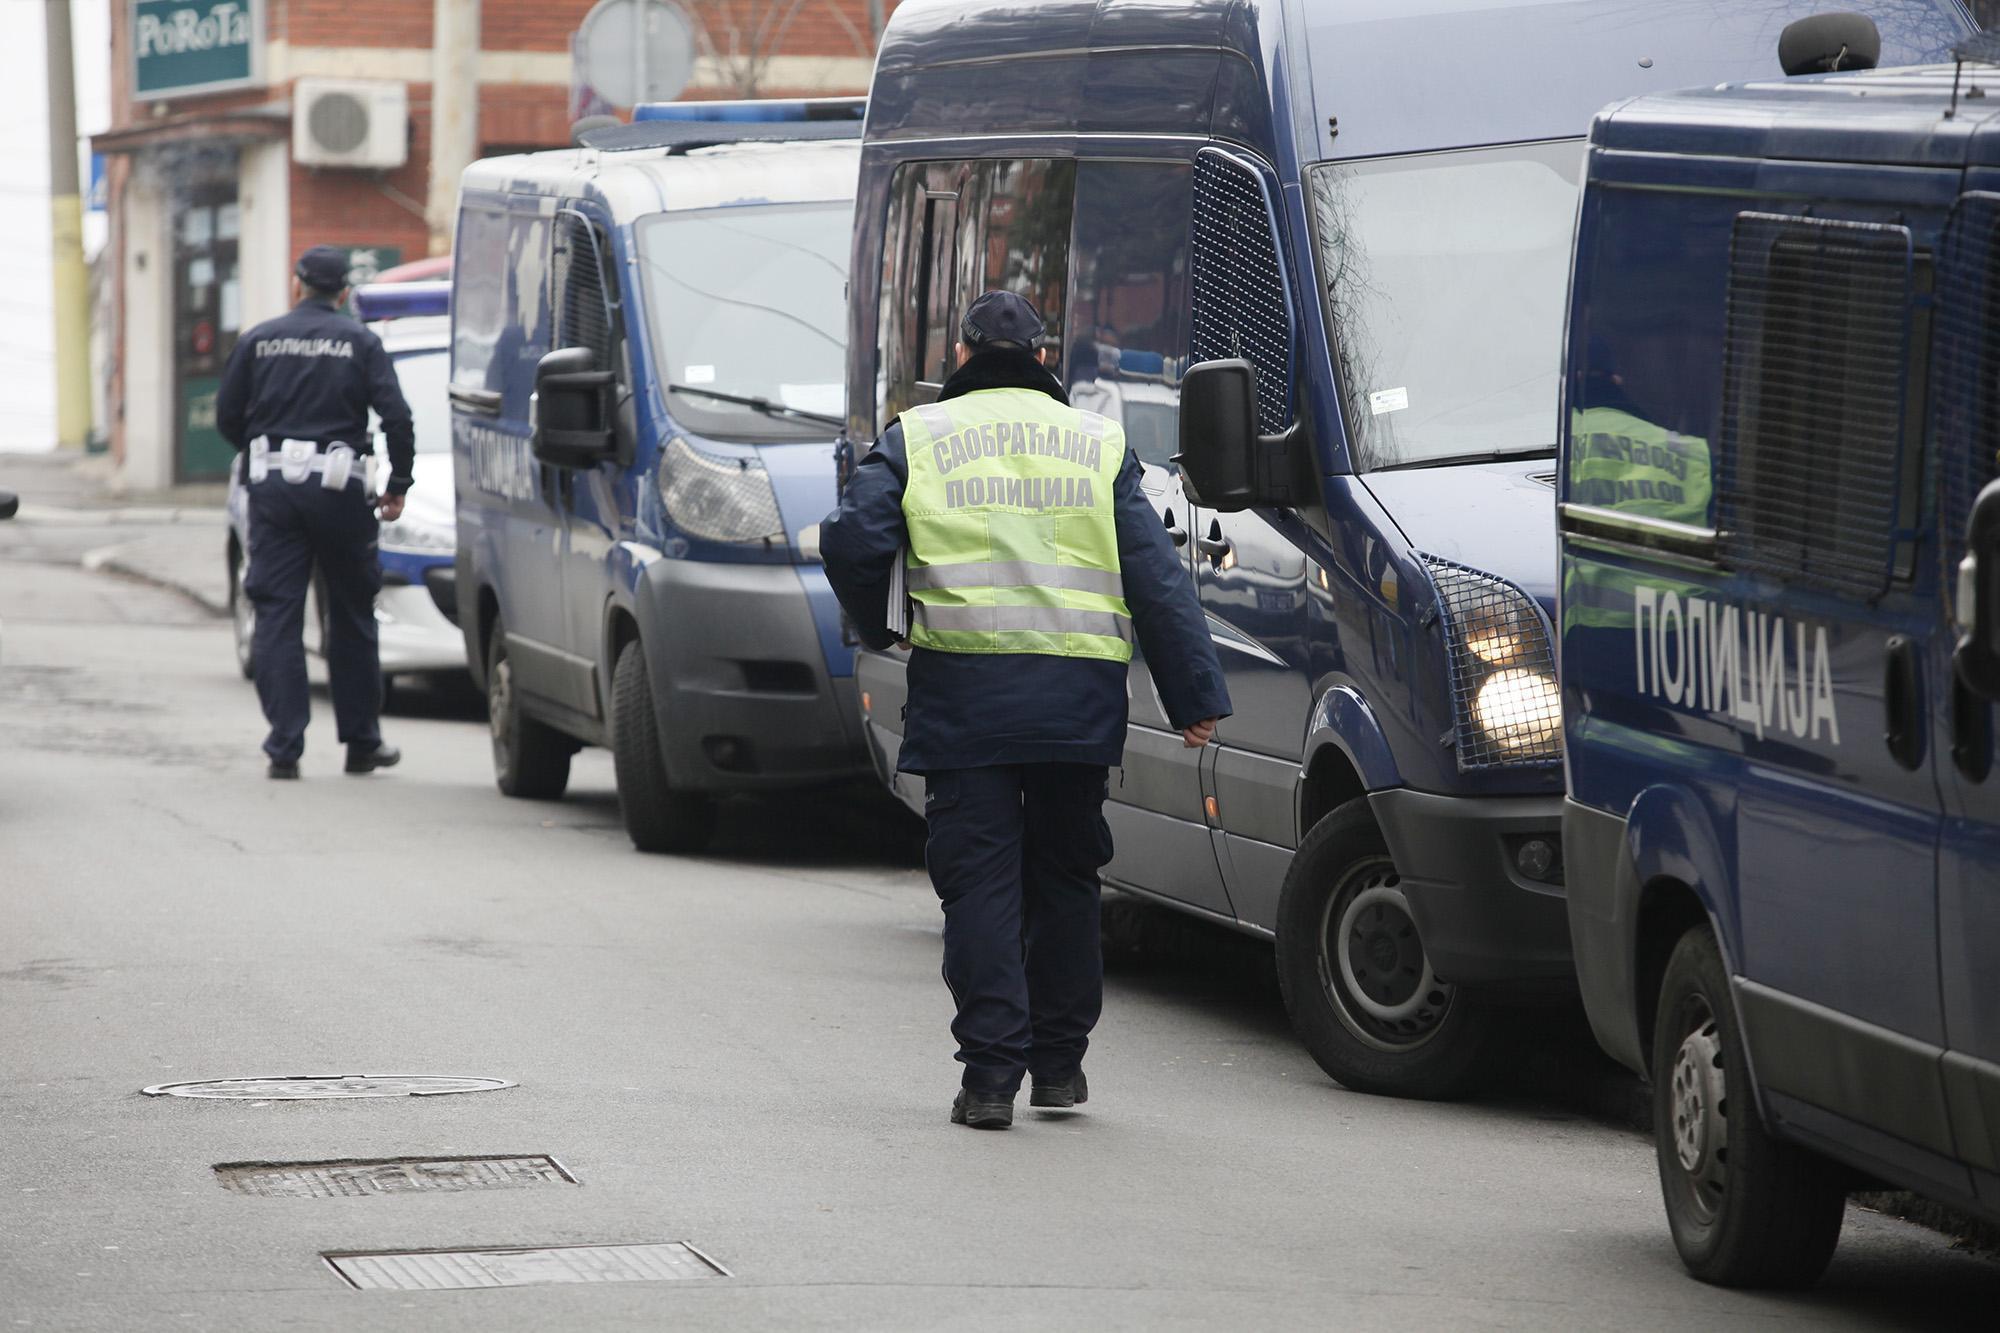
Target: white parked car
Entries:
(416, 611)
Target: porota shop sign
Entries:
(195, 46)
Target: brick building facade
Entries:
(208, 205)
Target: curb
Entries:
(113, 560)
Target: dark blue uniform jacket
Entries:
(971, 710)
(313, 374)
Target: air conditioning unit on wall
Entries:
(350, 123)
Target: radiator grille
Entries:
(1813, 400)
(1240, 307)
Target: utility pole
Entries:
(454, 111)
(72, 279)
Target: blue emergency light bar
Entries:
(760, 111)
(400, 300)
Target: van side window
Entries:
(479, 302)
(1815, 368)
(1241, 307)
(1965, 350)
(1127, 333)
(580, 300)
(954, 230)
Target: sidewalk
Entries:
(69, 514)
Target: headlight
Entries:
(411, 537)
(1504, 692)
(1520, 711)
(720, 499)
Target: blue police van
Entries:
(1780, 546)
(1318, 249)
(647, 350)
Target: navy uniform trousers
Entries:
(293, 527)
(1014, 852)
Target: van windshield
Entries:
(1446, 275)
(750, 303)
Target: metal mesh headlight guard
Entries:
(1503, 672)
(719, 499)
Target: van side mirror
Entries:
(1224, 462)
(10, 504)
(1826, 43)
(573, 420)
(1977, 657)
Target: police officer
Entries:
(294, 400)
(1031, 559)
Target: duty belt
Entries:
(297, 460)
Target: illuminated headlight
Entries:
(719, 499)
(411, 537)
(1509, 708)
(1519, 711)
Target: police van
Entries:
(416, 611)
(1780, 554)
(1327, 241)
(646, 379)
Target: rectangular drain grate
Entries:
(453, 1270)
(394, 1175)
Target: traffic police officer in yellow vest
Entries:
(1004, 536)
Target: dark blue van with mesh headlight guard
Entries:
(1313, 255)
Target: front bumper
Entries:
(1483, 920)
(413, 634)
(740, 679)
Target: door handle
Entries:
(1174, 534)
(1214, 545)
(1902, 701)
(1971, 732)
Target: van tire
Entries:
(658, 818)
(530, 757)
(1750, 1210)
(1383, 1024)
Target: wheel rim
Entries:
(499, 704)
(242, 615)
(1372, 962)
(1698, 1117)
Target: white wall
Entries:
(149, 346)
(28, 409)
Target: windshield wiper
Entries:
(1451, 460)
(764, 405)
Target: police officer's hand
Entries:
(1200, 734)
(390, 507)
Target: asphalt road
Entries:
(745, 1051)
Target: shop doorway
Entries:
(208, 316)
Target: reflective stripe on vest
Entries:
(1013, 527)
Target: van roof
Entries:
(636, 182)
(1363, 78)
(1895, 117)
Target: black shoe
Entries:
(283, 768)
(1060, 1092)
(368, 758)
(983, 1110)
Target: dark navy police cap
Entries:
(323, 268)
(1001, 319)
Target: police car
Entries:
(416, 609)
(1780, 641)
(647, 344)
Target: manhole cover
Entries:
(312, 1087)
(394, 1175)
(448, 1270)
